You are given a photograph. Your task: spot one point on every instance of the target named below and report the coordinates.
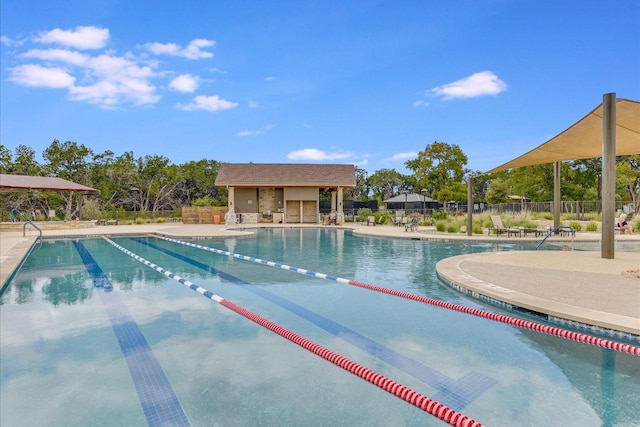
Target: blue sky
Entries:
(369, 83)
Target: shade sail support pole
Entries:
(556, 194)
(608, 175)
(469, 206)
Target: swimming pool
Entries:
(92, 336)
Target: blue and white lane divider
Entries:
(259, 261)
(418, 400)
(509, 320)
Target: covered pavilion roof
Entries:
(583, 140)
(27, 182)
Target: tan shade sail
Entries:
(26, 182)
(583, 140)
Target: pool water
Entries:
(91, 336)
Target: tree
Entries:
(385, 183)
(498, 192)
(6, 160)
(198, 182)
(480, 184)
(438, 166)
(628, 180)
(587, 173)
(361, 190)
(68, 161)
(25, 162)
(533, 182)
(157, 180)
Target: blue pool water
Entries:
(91, 336)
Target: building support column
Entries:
(608, 175)
(340, 212)
(231, 198)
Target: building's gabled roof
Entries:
(27, 182)
(285, 175)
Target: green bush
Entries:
(453, 227)
(382, 217)
(91, 210)
(437, 215)
(441, 225)
(575, 225)
(592, 226)
(363, 214)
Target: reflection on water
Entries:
(596, 374)
(58, 346)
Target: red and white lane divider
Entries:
(418, 400)
(509, 320)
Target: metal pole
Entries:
(608, 174)
(469, 206)
(556, 194)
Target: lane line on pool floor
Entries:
(415, 398)
(509, 320)
(456, 394)
(159, 402)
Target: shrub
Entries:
(453, 227)
(140, 220)
(363, 214)
(440, 215)
(592, 226)
(575, 225)
(91, 210)
(382, 217)
(441, 225)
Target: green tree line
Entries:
(152, 183)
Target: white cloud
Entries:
(185, 83)
(208, 103)
(60, 55)
(10, 42)
(38, 76)
(315, 154)
(256, 132)
(80, 38)
(253, 104)
(269, 78)
(192, 51)
(105, 78)
(404, 156)
(420, 104)
(478, 84)
(111, 80)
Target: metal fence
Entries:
(578, 210)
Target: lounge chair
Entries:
(542, 230)
(500, 228)
(371, 220)
(412, 225)
(399, 218)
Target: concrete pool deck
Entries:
(577, 286)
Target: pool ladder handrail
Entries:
(556, 229)
(16, 213)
